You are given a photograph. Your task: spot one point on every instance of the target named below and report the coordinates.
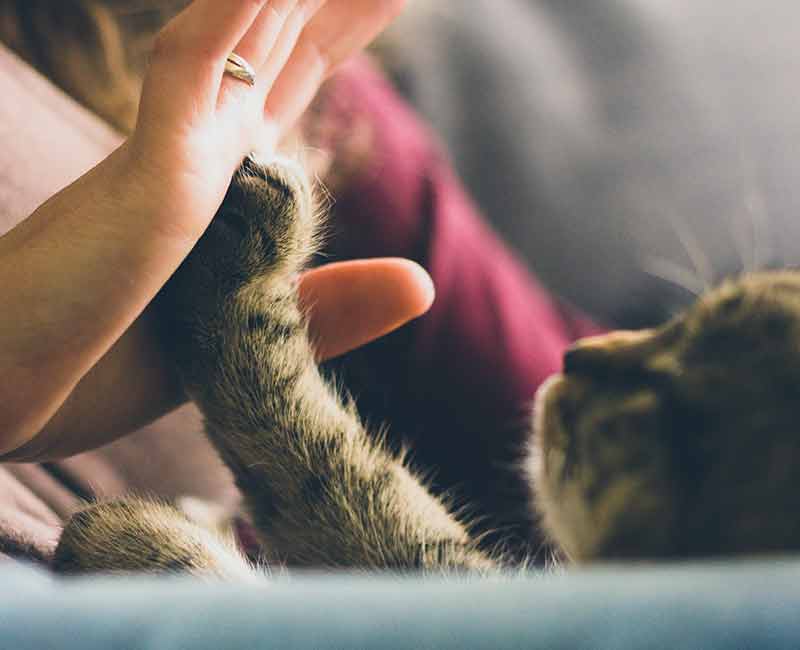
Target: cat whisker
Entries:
(745, 243)
(674, 274)
(756, 209)
(697, 256)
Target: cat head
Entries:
(678, 441)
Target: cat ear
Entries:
(616, 350)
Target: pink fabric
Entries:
(34, 163)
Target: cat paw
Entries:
(133, 535)
(265, 228)
(113, 537)
(260, 238)
(274, 206)
(264, 232)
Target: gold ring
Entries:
(239, 68)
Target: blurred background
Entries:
(632, 151)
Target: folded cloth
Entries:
(457, 384)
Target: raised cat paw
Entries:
(266, 226)
(272, 206)
(263, 233)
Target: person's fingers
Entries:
(259, 40)
(215, 27)
(336, 31)
(295, 87)
(286, 43)
(268, 65)
(258, 44)
(353, 303)
(279, 54)
(346, 26)
(189, 54)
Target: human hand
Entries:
(196, 124)
(81, 270)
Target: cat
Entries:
(668, 443)
(680, 441)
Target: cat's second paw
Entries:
(133, 535)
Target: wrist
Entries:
(176, 192)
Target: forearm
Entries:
(130, 387)
(73, 284)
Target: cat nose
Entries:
(598, 353)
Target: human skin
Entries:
(80, 359)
